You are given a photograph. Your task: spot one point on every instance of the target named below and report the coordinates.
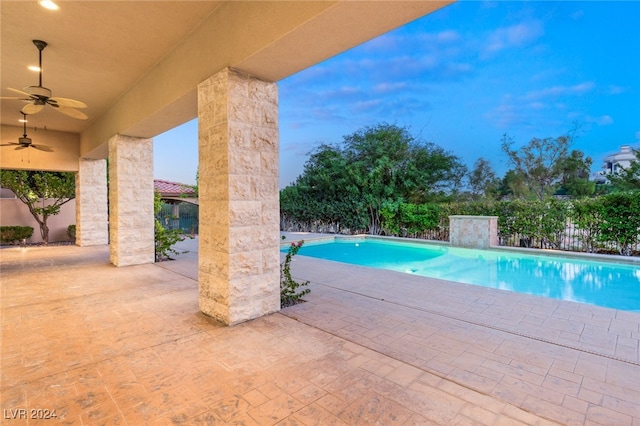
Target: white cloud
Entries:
(577, 15)
(615, 90)
(448, 36)
(577, 89)
(389, 87)
(518, 35)
(365, 106)
(603, 120)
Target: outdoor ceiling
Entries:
(97, 50)
(137, 64)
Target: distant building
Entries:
(174, 192)
(615, 162)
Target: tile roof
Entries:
(167, 188)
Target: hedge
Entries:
(13, 234)
(605, 224)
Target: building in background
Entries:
(615, 162)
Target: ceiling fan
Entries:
(39, 96)
(25, 142)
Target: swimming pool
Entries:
(607, 284)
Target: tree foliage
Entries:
(574, 175)
(349, 183)
(42, 192)
(545, 163)
(483, 181)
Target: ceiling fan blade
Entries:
(15, 98)
(66, 102)
(72, 113)
(20, 92)
(22, 147)
(42, 148)
(9, 144)
(32, 109)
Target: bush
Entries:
(289, 294)
(164, 238)
(13, 234)
(621, 220)
(71, 232)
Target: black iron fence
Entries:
(183, 216)
(571, 238)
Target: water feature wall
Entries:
(477, 232)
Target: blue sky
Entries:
(462, 77)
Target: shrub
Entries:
(164, 238)
(621, 220)
(13, 234)
(71, 232)
(289, 294)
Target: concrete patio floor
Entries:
(106, 345)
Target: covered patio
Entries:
(99, 344)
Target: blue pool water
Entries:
(606, 284)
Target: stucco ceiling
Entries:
(96, 50)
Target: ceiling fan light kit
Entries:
(39, 96)
(25, 141)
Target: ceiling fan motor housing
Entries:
(24, 141)
(38, 91)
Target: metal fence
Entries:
(571, 238)
(183, 216)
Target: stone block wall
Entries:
(92, 221)
(239, 260)
(473, 231)
(131, 220)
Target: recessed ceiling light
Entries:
(48, 4)
(34, 68)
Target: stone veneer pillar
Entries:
(239, 259)
(131, 224)
(473, 231)
(92, 217)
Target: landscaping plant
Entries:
(165, 238)
(289, 293)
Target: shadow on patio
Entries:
(104, 345)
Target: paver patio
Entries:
(106, 345)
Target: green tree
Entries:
(42, 192)
(372, 167)
(627, 179)
(483, 181)
(575, 171)
(539, 162)
(513, 185)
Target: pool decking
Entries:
(106, 345)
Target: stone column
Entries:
(92, 220)
(239, 261)
(131, 222)
(473, 231)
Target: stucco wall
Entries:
(14, 212)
